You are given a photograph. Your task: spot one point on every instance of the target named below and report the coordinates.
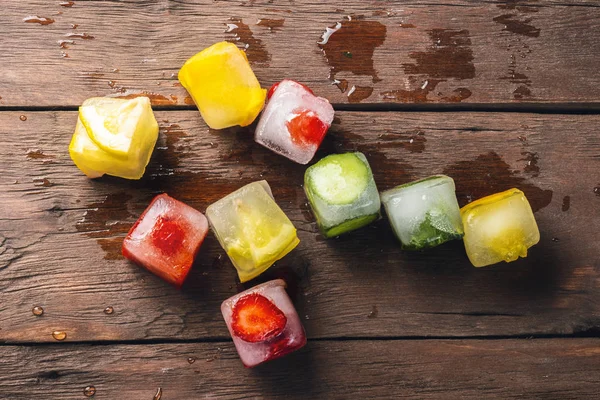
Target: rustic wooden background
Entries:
(496, 94)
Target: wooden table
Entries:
(494, 94)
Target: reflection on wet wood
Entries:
(61, 233)
(459, 51)
(423, 369)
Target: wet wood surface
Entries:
(62, 233)
(562, 369)
(381, 52)
(381, 323)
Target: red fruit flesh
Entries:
(256, 319)
(272, 90)
(276, 85)
(167, 236)
(307, 129)
(285, 346)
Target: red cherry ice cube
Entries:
(166, 238)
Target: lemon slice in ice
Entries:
(118, 126)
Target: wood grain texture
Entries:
(384, 52)
(432, 369)
(61, 233)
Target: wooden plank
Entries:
(61, 233)
(452, 51)
(432, 369)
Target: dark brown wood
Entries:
(452, 51)
(431, 369)
(61, 233)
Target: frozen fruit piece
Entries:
(252, 229)
(306, 129)
(499, 227)
(424, 213)
(342, 194)
(114, 137)
(256, 319)
(263, 323)
(223, 86)
(166, 238)
(294, 121)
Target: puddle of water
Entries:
(488, 174)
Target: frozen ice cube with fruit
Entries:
(499, 227)
(166, 238)
(252, 229)
(424, 213)
(223, 86)
(342, 193)
(294, 121)
(114, 137)
(263, 323)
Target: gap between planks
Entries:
(533, 108)
(590, 333)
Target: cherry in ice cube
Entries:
(166, 238)
(263, 323)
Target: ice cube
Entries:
(223, 86)
(252, 229)
(424, 213)
(342, 194)
(294, 122)
(263, 323)
(114, 137)
(166, 238)
(500, 227)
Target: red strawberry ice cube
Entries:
(294, 121)
(263, 323)
(166, 238)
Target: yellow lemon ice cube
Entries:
(114, 137)
(252, 229)
(223, 86)
(499, 227)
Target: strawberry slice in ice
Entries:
(256, 319)
(166, 238)
(294, 121)
(263, 323)
(306, 128)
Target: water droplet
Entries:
(597, 190)
(42, 182)
(373, 313)
(566, 203)
(158, 394)
(216, 356)
(191, 360)
(59, 335)
(37, 311)
(74, 26)
(23, 117)
(109, 310)
(111, 84)
(38, 20)
(555, 239)
(306, 317)
(89, 391)
(84, 35)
